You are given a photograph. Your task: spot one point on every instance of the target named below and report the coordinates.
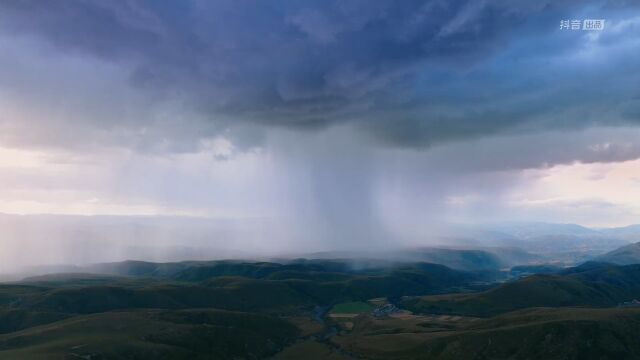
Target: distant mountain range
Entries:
(534, 230)
(468, 259)
(531, 230)
(36, 240)
(563, 243)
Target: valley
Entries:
(323, 309)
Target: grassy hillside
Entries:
(240, 294)
(81, 279)
(17, 319)
(540, 333)
(150, 310)
(628, 254)
(264, 287)
(599, 285)
(491, 259)
(240, 310)
(200, 270)
(545, 334)
(152, 334)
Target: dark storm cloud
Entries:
(413, 73)
(537, 150)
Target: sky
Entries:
(342, 122)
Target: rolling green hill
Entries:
(544, 334)
(152, 334)
(231, 293)
(625, 255)
(238, 286)
(201, 270)
(537, 333)
(242, 310)
(486, 260)
(596, 285)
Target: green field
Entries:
(355, 307)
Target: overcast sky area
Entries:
(355, 121)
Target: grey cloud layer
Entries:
(413, 73)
